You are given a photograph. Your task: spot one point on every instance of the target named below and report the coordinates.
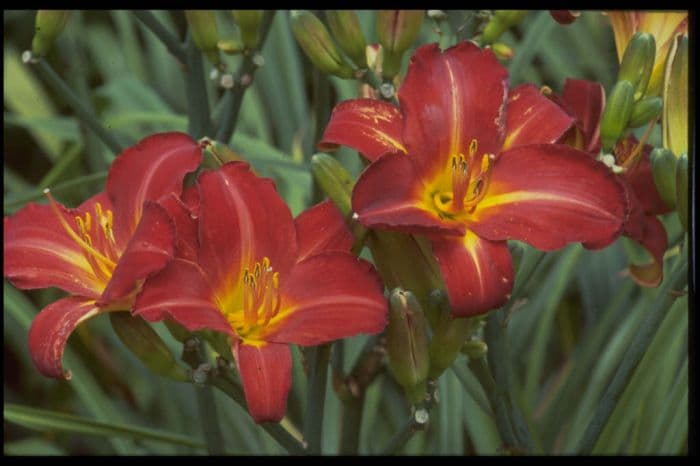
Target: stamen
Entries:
(473, 147)
(460, 181)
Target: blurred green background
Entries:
(565, 341)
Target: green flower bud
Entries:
(48, 25)
(638, 62)
(501, 21)
(138, 336)
(617, 113)
(675, 92)
(249, 23)
(230, 46)
(449, 334)
(663, 166)
(317, 44)
(475, 349)
(397, 30)
(202, 24)
(502, 51)
(682, 189)
(334, 180)
(407, 344)
(345, 26)
(645, 110)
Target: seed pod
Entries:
(317, 44)
(638, 62)
(617, 113)
(663, 168)
(202, 24)
(249, 23)
(682, 189)
(334, 180)
(645, 110)
(48, 25)
(407, 344)
(345, 26)
(138, 336)
(397, 30)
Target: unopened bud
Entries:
(616, 115)
(682, 189)
(501, 21)
(645, 110)
(475, 349)
(663, 168)
(317, 44)
(397, 30)
(638, 62)
(202, 25)
(407, 344)
(138, 336)
(230, 46)
(502, 51)
(47, 27)
(675, 92)
(249, 23)
(449, 334)
(345, 26)
(334, 180)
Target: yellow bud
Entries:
(202, 25)
(249, 23)
(502, 51)
(48, 25)
(675, 93)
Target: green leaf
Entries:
(31, 447)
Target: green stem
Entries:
(321, 105)
(61, 88)
(234, 96)
(210, 421)
(351, 418)
(375, 81)
(199, 123)
(655, 315)
(417, 421)
(169, 40)
(38, 193)
(316, 397)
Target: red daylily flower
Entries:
(585, 101)
(101, 251)
(267, 280)
(472, 165)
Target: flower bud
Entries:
(317, 44)
(249, 23)
(499, 23)
(397, 30)
(682, 189)
(617, 113)
(231, 46)
(638, 62)
(334, 180)
(675, 92)
(449, 334)
(202, 25)
(48, 25)
(407, 344)
(645, 110)
(475, 349)
(144, 342)
(663, 168)
(502, 51)
(345, 26)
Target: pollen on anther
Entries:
(473, 147)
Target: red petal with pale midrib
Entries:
(266, 374)
(322, 228)
(585, 101)
(186, 241)
(371, 127)
(329, 296)
(149, 170)
(549, 196)
(50, 331)
(478, 273)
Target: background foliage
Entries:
(560, 349)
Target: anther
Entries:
(473, 147)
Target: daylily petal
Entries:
(186, 241)
(372, 127)
(564, 16)
(181, 292)
(450, 98)
(389, 194)
(531, 118)
(39, 253)
(322, 228)
(50, 331)
(653, 238)
(242, 219)
(266, 374)
(548, 196)
(585, 101)
(151, 247)
(478, 273)
(147, 171)
(329, 296)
